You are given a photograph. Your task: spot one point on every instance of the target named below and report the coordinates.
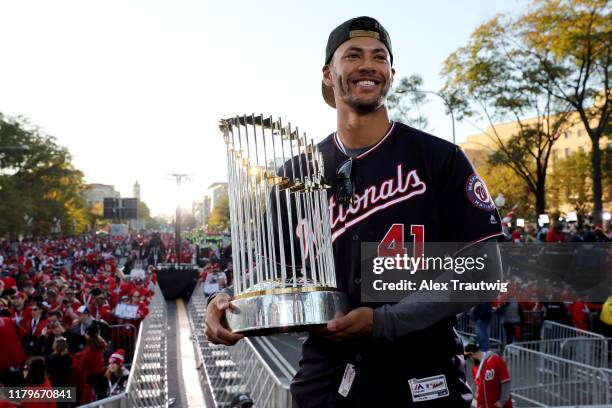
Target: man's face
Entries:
(17, 301)
(36, 312)
(360, 73)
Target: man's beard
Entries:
(360, 106)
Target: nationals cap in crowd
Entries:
(117, 357)
(356, 27)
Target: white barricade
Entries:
(228, 372)
(544, 380)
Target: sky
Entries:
(135, 89)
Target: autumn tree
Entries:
(557, 48)
(574, 184)
(571, 41)
(406, 100)
(220, 215)
(491, 79)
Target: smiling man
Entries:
(390, 182)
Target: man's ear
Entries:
(327, 75)
(392, 74)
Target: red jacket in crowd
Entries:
(11, 352)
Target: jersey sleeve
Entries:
(501, 370)
(469, 213)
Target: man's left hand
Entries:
(356, 323)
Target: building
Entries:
(139, 223)
(216, 191)
(136, 190)
(480, 146)
(95, 193)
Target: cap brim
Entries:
(328, 95)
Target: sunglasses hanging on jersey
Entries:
(346, 188)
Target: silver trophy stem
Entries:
(266, 301)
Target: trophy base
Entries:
(298, 310)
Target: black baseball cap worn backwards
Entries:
(356, 27)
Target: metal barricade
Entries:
(123, 336)
(467, 327)
(147, 385)
(544, 380)
(532, 325)
(227, 372)
(530, 328)
(554, 330)
(589, 351)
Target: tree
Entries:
(405, 99)
(220, 217)
(40, 188)
(573, 177)
(567, 44)
(489, 78)
(144, 212)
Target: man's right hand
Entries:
(217, 330)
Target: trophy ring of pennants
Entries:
(284, 276)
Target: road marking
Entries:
(191, 379)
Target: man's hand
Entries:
(356, 323)
(498, 405)
(217, 330)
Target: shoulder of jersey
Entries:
(327, 142)
(423, 139)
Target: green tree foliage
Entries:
(493, 79)
(220, 216)
(406, 100)
(571, 41)
(572, 178)
(39, 185)
(574, 184)
(547, 60)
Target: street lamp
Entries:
(448, 105)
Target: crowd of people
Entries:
(560, 232)
(66, 309)
(521, 316)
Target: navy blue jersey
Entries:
(410, 179)
(413, 183)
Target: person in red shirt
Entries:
(12, 356)
(517, 235)
(99, 308)
(555, 234)
(18, 310)
(33, 328)
(491, 377)
(34, 372)
(89, 364)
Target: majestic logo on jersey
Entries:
(401, 187)
(478, 194)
